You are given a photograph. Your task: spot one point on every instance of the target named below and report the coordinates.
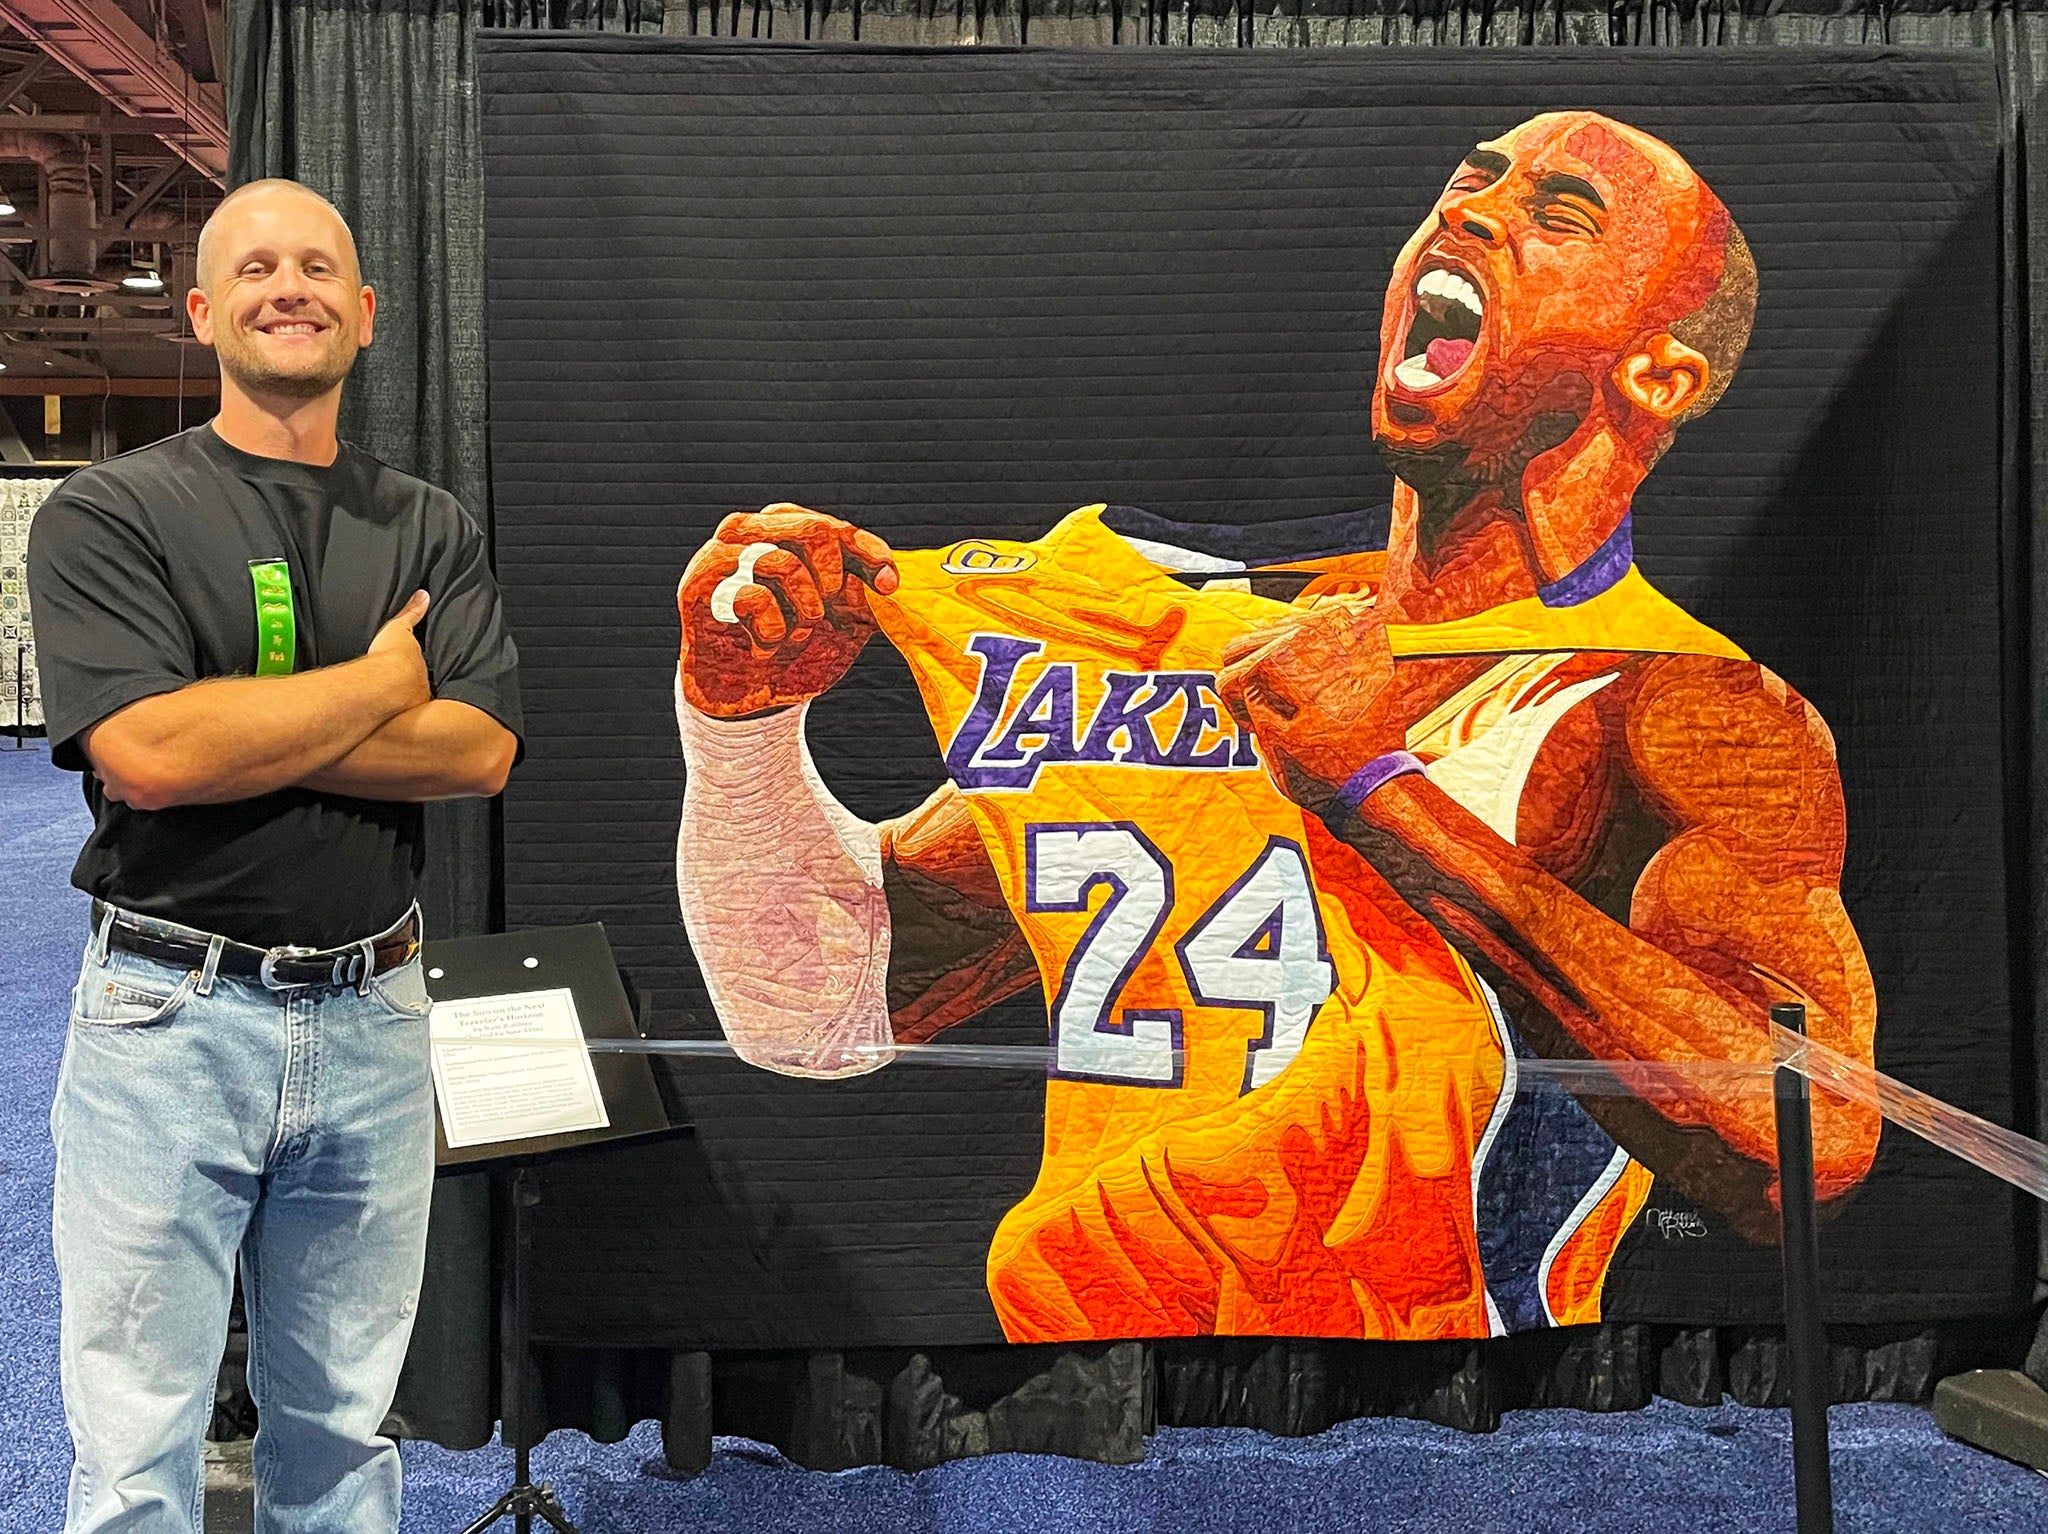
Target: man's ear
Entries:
(200, 311)
(1663, 376)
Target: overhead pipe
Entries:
(69, 249)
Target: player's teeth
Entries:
(1443, 284)
(1415, 374)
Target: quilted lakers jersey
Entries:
(1274, 1090)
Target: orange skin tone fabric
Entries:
(1680, 838)
(1712, 777)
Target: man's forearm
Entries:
(232, 738)
(440, 750)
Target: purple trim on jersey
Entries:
(1360, 785)
(1596, 572)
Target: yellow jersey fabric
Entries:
(1273, 1086)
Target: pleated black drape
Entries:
(374, 103)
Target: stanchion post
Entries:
(512, 1411)
(1805, 1339)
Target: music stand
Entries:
(579, 958)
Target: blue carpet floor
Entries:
(1667, 1470)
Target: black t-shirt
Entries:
(140, 582)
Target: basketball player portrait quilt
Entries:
(1288, 593)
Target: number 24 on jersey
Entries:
(1258, 946)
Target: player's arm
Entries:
(793, 903)
(1740, 908)
(1723, 923)
(955, 948)
(237, 737)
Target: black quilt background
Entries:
(948, 293)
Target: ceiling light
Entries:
(7, 209)
(143, 280)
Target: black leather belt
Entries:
(277, 968)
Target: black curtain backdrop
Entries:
(375, 104)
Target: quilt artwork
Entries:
(1302, 877)
(1405, 573)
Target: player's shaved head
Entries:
(1719, 328)
(273, 195)
(1708, 292)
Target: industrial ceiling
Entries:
(113, 149)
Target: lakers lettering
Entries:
(1023, 718)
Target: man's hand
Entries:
(1318, 693)
(774, 609)
(399, 646)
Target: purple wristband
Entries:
(1360, 785)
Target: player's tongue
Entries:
(1443, 330)
(1446, 354)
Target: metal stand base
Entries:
(525, 1503)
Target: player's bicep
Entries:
(955, 948)
(1728, 748)
(1759, 934)
(1747, 889)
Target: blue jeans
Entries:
(199, 1116)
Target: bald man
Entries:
(1530, 808)
(263, 650)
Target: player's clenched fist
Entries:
(774, 608)
(1318, 693)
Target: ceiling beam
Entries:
(113, 231)
(139, 203)
(120, 299)
(54, 328)
(195, 30)
(158, 125)
(200, 385)
(31, 72)
(99, 44)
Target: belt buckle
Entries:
(267, 971)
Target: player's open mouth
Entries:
(292, 328)
(1444, 331)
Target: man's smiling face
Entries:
(282, 304)
(1553, 251)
